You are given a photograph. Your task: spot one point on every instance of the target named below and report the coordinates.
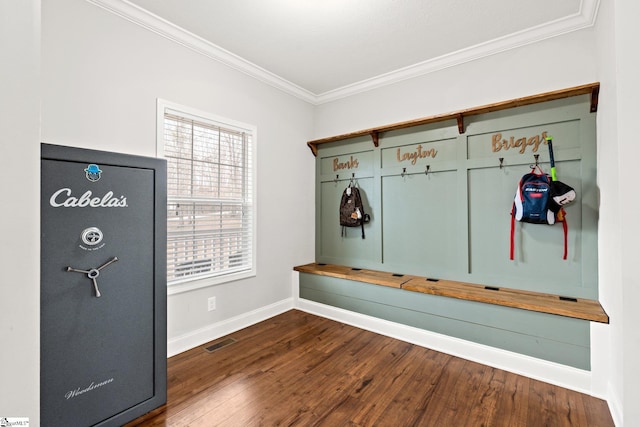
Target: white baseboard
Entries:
(549, 372)
(615, 406)
(220, 329)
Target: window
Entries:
(210, 196)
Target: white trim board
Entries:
(214, 331)
(585, 18)
(615, 406)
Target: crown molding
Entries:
(164, 28)
(584, 18)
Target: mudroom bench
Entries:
(578, 308)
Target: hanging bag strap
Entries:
(562, 217)
(513, 231)
(564, 230)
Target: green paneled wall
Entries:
(440, 206)
(545, 336)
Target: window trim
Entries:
(164, 106)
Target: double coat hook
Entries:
(536, 164)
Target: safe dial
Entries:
(92, 236)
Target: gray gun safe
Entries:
(103, 287)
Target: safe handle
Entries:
(94, 273)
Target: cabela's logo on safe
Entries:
(93, 172)
(64, 198)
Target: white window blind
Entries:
(210, 200)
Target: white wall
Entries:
(627, 72)
(512, 74)
(20, 225)
(609, 337)
(607, 363)
(101, 77)
(620, 64)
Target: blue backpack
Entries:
(534, 203)
(531, 203)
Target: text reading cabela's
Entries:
(58, 200)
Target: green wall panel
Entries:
(420, 223)
(350, 248)
(425, 153)
(538, 263)
(359, 162)
(440, 206)
(545, 336)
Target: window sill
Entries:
(205, 282)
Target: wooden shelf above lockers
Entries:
(592, 88)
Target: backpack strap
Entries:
(563, 217)
(362, 225)
(513, 230)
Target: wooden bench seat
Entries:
(578, 308)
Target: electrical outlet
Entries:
(211, 303)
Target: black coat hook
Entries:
(501, 162)
(535, 156)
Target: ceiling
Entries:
(324, 49)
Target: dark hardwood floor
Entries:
(303, 370)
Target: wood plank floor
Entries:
(298, 369)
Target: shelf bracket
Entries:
(375, 137)
(460, 120)
(595, 91)
(313, 147)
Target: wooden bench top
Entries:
(578, 308)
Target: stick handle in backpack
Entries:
(551, 159)
(554, 177)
